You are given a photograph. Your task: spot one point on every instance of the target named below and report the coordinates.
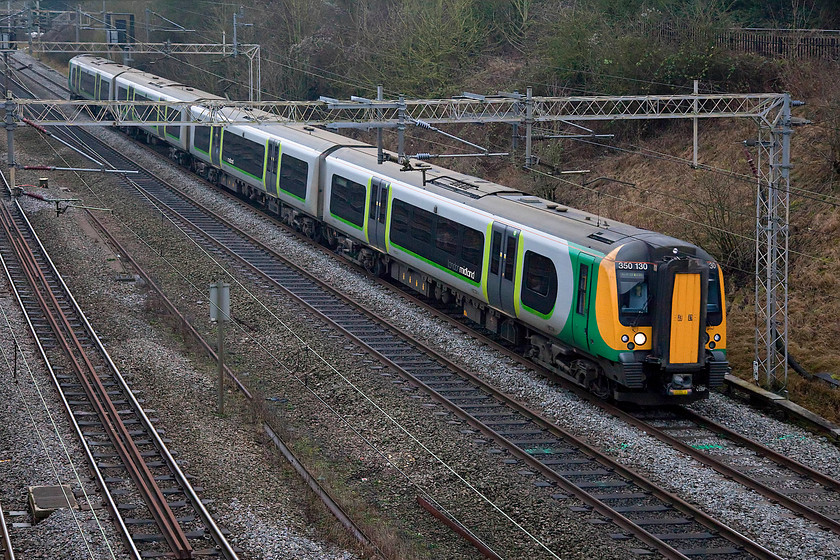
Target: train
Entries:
(632, 315)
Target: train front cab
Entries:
(662, 315)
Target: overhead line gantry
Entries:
(770, 111)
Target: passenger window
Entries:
(510, 257)
(399, 220)
(348, 200)
(496, 253)
(583, 278)
(243, 154)
(539, 285)
(201, 137)
(173, 115)
(538, 273)
(421, 228)
(294, 175)
(472, 246)
(446, 238)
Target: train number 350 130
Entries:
(632, 265)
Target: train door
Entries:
(133, 112)
(272, 167)
(583, 299)
(501, 280)
(216, 145)
(378, 212)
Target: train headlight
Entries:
(625, 338)
(639, 338)
(717, 338)
(712, 345)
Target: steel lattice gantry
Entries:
(770, 111)
(251, 51)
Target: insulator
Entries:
(423, 156)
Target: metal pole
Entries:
(529, 122)
(380, 156)
(220, 346)
(10, 124)
(401, 131)
(696, 91)
(221, 350)
(772, 261)
(251, 77)
(148, 24)
(30, 27)
(235, 41)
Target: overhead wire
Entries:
(644, 152)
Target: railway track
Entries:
(798, 487)
(556, 459)
(135, 470)
(483, 411)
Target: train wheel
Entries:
(375, 266)
(600, 387)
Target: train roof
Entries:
(143, 79)
(583, 228)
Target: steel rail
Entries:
(98, 396)
(155, 499)
(111, 503)
(92, 463)
(773, 455)
(766, 491)
(8, 551)
(736, 475)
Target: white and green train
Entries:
(630, 314)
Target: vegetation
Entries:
(434, 48)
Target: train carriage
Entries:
(628, 313)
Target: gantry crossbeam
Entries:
(377, 114)
(93, 47)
